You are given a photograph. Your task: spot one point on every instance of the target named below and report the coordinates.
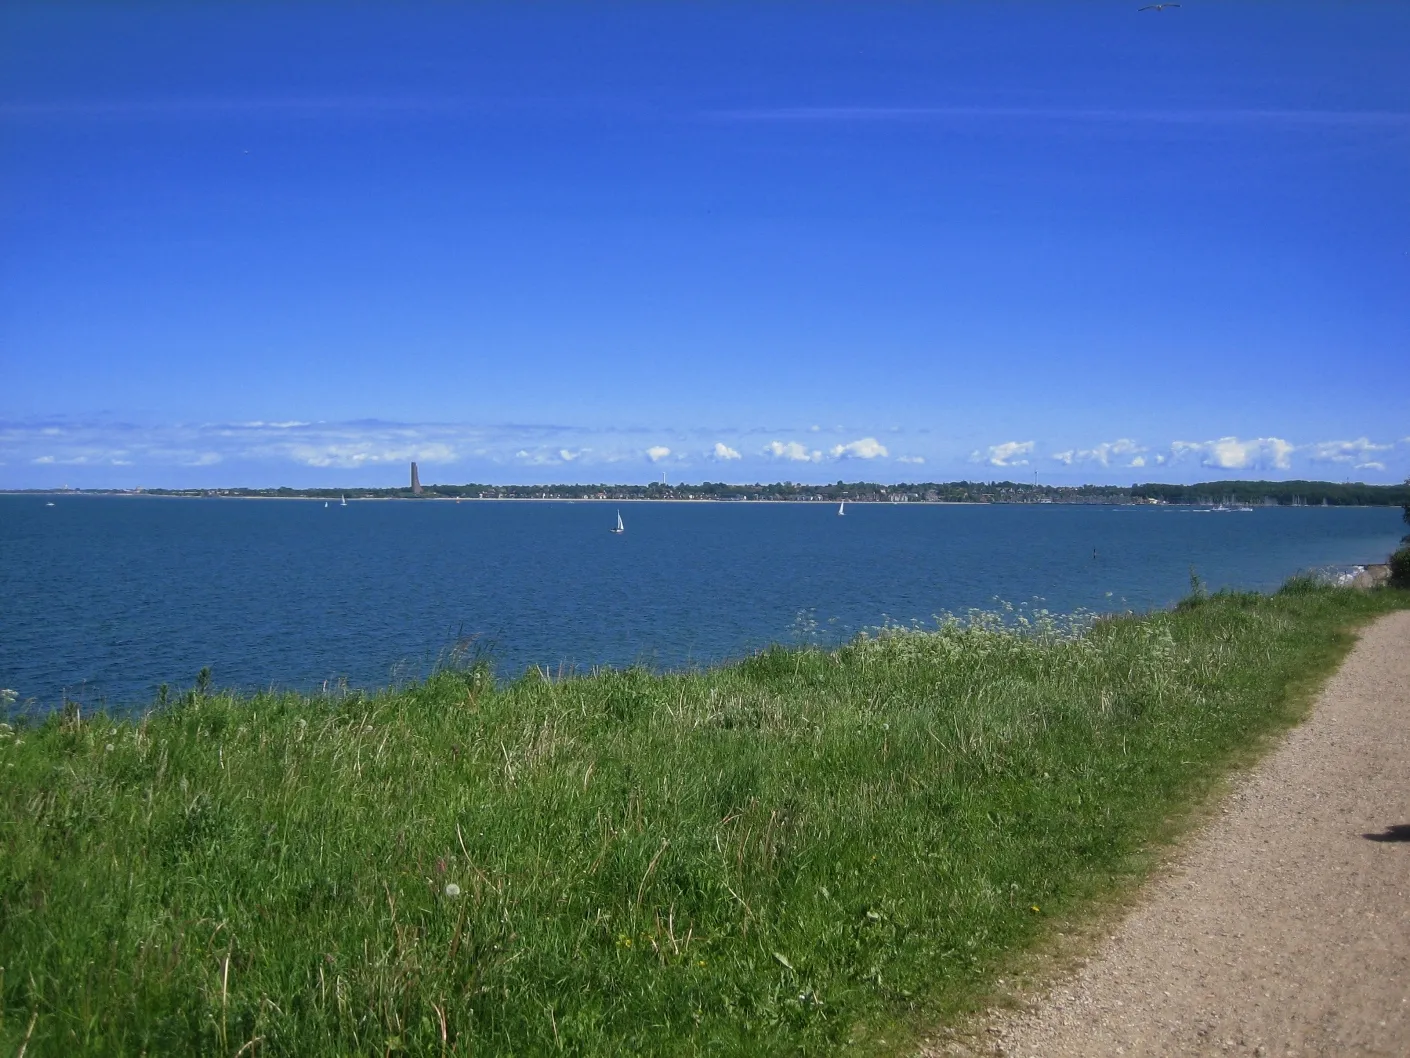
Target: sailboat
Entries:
(619, 527)
(325, 505)
(345, 500)
(842, 508)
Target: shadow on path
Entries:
(1398, 832)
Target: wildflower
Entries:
(452, 890)
(108, 748)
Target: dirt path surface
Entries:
(1284, 927)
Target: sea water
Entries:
(103, 599)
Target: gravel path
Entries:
(1284, 928)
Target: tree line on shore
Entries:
(1270, 493)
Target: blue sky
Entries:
(305, 244)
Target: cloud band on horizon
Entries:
(100, 448)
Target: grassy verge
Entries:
(800, 854)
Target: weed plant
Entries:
(807, 852)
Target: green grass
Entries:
(804, 853)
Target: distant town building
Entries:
(415, 481)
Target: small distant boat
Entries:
(619, 527)
(842, 508)
(49, 504)
(325, 505)
(345, 500)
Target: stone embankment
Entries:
(1372, 576)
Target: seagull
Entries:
(1156, 7)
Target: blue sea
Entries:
(103, 599)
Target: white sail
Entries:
(345, 501)
(619, 528)
(841, 508)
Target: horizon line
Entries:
(782, 484)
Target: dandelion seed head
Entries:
(452, 890)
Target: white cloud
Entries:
(1370, 466)
(910, 459)
(724, 452)
(349, 445)
(792, 451)
(1005, 455)
(1125, 452)
(549, 457)
(866, 448)
(371, 452)
(1230, 453)
(85, 457)
(656, 453)
(1343, 451)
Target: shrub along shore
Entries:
(807, 852)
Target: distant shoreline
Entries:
(1232, 494)
(753, 501)
(87, 494)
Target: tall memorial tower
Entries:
(415, 481)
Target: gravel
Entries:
(1283, 928)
